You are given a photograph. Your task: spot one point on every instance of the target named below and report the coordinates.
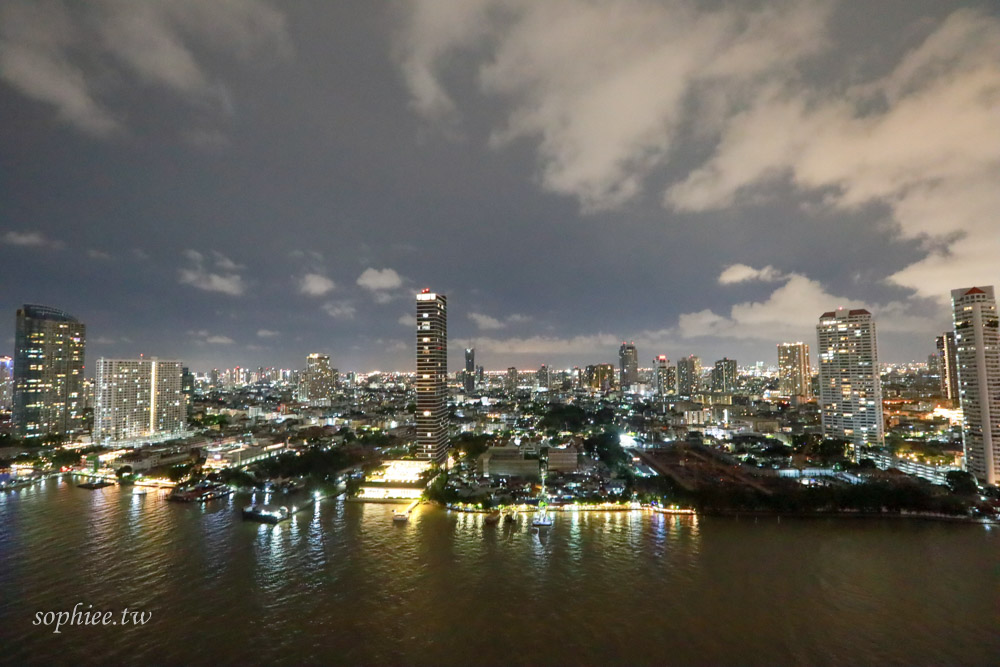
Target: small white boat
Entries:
(139, 490)
(401, 517)
(543, 520)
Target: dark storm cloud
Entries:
(246, 182)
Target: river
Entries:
(341, 583)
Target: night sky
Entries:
(241, 182)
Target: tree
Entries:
(961, 483)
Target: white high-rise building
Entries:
(977, 350)
(138, 398)
(850, 390)
(794, 376)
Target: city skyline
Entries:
(234, 205)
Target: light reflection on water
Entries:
(341, 582)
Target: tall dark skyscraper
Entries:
(48, 372)
(469, 379)
(947, 365)
(432, 376)
(724, 375)
(688, 375)
(628, 361)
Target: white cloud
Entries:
(222, 277)
(376, 279)
(224, 263)
(30, 239)
(316, 284)
(604, 100)
(790, 312)
(740, 273)
(606, 94)
(267, 333)
(93, 253)
(407, 320)
(541, 346)
(202, 336)
(923, 140)
(488, 322)
(341, 310)
(485, 322)
(73, 55)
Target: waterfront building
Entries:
(138, 398)
(628, 361)
(432, 376)
(507, 462)
(48, 372)
(320, 379)
(794, 375)
(688, 375)
(724, 376)
(977, 350)
(850, 390)
(947, 365)
(469, 379)
(6, 383)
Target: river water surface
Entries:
(341, 583)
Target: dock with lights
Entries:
(396, 482)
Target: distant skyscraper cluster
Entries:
(432, 376)
(48, 373)
(43, 383)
